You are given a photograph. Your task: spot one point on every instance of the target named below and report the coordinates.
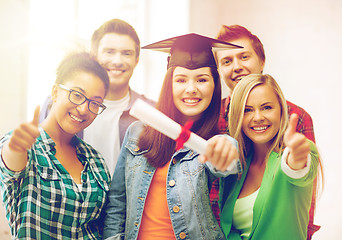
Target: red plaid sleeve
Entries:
(222, 124)
(214, 197)
(305, 125)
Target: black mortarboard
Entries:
(191, 51)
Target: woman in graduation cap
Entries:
(157, 191)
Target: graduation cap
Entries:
(190, 51)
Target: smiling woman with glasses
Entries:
(78, 98)
(47, 173)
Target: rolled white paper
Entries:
(162, 123)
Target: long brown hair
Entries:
(160, 147)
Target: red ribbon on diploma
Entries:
(184, 135)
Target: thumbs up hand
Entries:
(14, 151)
(25, 135)
(299, 147)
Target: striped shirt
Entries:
(43, 201)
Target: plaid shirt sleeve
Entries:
(222, 123)
(305, 125)
(214, 199)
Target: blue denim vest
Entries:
(193, 219)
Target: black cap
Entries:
(190, 51)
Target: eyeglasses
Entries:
(78, 98)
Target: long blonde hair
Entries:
(237, 109)
(236, 115)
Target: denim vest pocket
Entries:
(191, 166)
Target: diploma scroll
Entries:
(162, 123)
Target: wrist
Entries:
(296, 174)
(294, 165)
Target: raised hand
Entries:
(299, 147)
(25, 135)
(14, 152)
(220, 152)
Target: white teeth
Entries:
(259, 128)
(116, 71)
(76, 118)
(191, 100)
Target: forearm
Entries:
(14, 160)
(114, 224)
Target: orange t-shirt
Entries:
(156, 221)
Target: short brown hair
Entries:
(233, 32)
(114, 26)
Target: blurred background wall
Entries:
(302, 40)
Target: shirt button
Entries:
(182, 235)
(172, 183)
(175, 209)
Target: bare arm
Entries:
(14, 152)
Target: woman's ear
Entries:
(54, 93)
(263, 66)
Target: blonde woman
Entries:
(271, 199)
